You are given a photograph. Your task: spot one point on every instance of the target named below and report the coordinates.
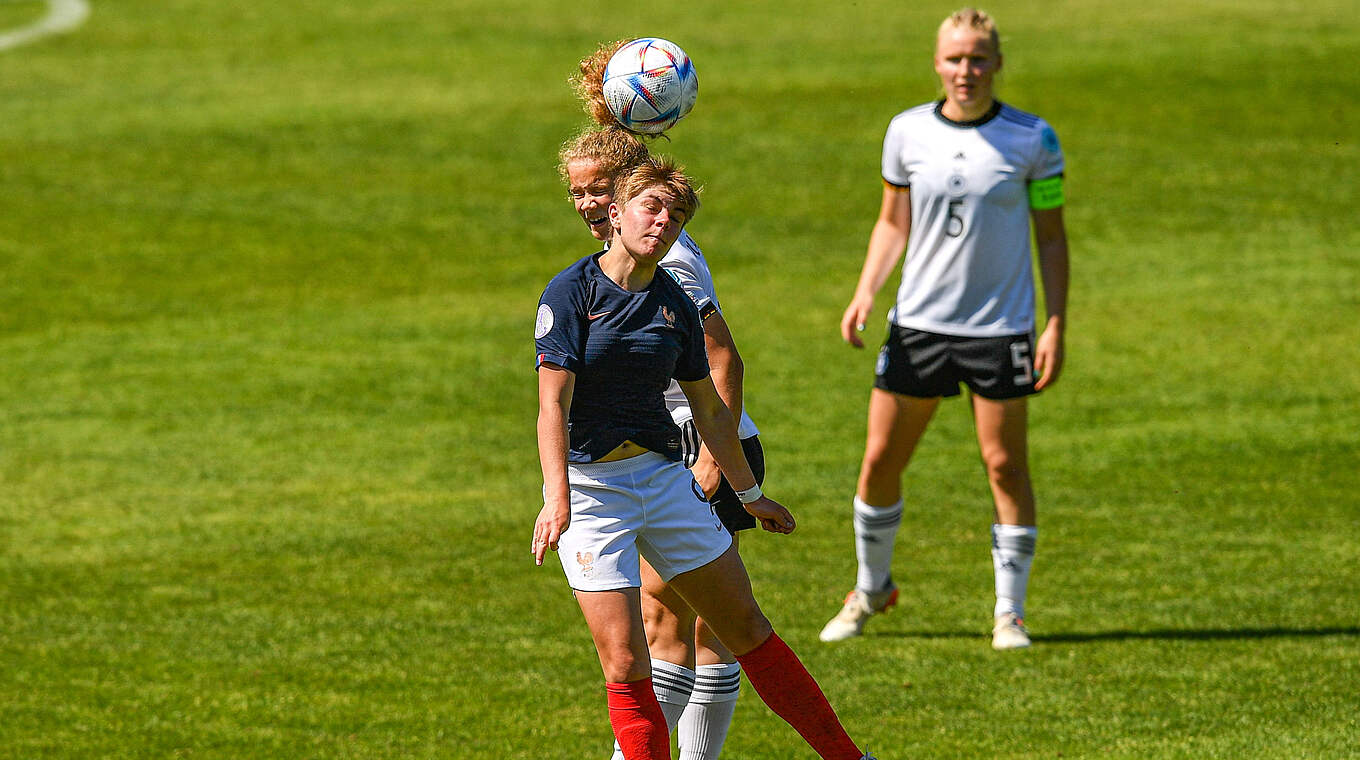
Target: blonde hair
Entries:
(614, 149)
(659, 171)
(588, 84)
(977, 20)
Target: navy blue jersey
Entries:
(624, 348)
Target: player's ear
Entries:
(615, 214)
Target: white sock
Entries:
(672, 685)
(703, 727)
(1012, 553)
(875, 532)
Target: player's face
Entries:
(966, 62)
(591, 193)
(649, 223)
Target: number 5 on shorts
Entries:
(1021, 361)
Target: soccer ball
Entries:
(649, 85)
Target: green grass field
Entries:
(267, 469)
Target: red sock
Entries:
(637, 720)
(781, 680)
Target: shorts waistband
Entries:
(618, 467)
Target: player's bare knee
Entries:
(1006, 472)
(743, 635)
(621, 665)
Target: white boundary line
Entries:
(62, 16)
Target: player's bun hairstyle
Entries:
(589, 83)
(614, 149)
(659, 171)
(977, 20)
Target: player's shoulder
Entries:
(914, 114)
(684, 254)
(574, 278)
(1032, 128)
(685, 248)
(670, 289)
(1018, 117)
(1022, 120)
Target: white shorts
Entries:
(644, 504)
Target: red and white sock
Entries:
(638, 723)
(790, 691)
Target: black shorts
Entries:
(724, 501)
(930, 365)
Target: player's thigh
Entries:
(720, 592)
(615, 621)
(1002, 431)
(668, 618)
(896, 424)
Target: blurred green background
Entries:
(267, 463)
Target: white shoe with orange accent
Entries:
(1008, 632)
(858, 608)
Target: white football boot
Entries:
(858, 608)
(1009, 632)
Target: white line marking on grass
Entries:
(62, 16)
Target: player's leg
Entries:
(705, 723)
(896, 424)
(717, 685)
(721, 592)
(615, 622)
(600, 558)
(1002, 431)
(669, 623)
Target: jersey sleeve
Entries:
(560, 326)
(686, 264)
(1048, 156)
(895, 155)
(693, 361)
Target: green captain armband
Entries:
(1046, 193)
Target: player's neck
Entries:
(961, 112)
(624, 269)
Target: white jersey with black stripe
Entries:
(685, 262)
(968, 266)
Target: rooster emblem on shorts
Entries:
(587, 562)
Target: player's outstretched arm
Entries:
(555, 388)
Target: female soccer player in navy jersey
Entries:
(963, 180)
(610, 336)
(697, 680)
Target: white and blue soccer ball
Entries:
(649, 85)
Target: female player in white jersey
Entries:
(697, 680)
(963, 180)
(610, 334)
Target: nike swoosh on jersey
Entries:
(593, 317)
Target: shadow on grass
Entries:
(1206, 634)
(1173, 634)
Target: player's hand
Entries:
(552, 520)
(1048, 355)
(772, 515)
(852, 322)
(707, 475)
